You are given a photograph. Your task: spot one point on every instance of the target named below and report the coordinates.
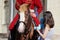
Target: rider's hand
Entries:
(32, 14)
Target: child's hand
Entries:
(37, 27)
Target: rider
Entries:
(33, 4)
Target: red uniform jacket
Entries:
(34, 3)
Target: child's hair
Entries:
(48, 19)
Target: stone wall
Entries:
(4, 16)
(54, 7)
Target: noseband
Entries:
(27, 30)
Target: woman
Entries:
(48, 24)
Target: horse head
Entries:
(22, 12)
(26, 27)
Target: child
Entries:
(48, 24)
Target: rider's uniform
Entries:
(34, 3)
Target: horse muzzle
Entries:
(21, 27)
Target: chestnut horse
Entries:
(24, 27)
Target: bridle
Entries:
(27, 29)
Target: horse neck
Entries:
(29, 21)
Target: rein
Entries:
(27, 30)
(27, 26)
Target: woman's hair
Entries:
(48, 19)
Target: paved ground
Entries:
(55, 37)
(3, 39)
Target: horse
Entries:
(24, 27)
